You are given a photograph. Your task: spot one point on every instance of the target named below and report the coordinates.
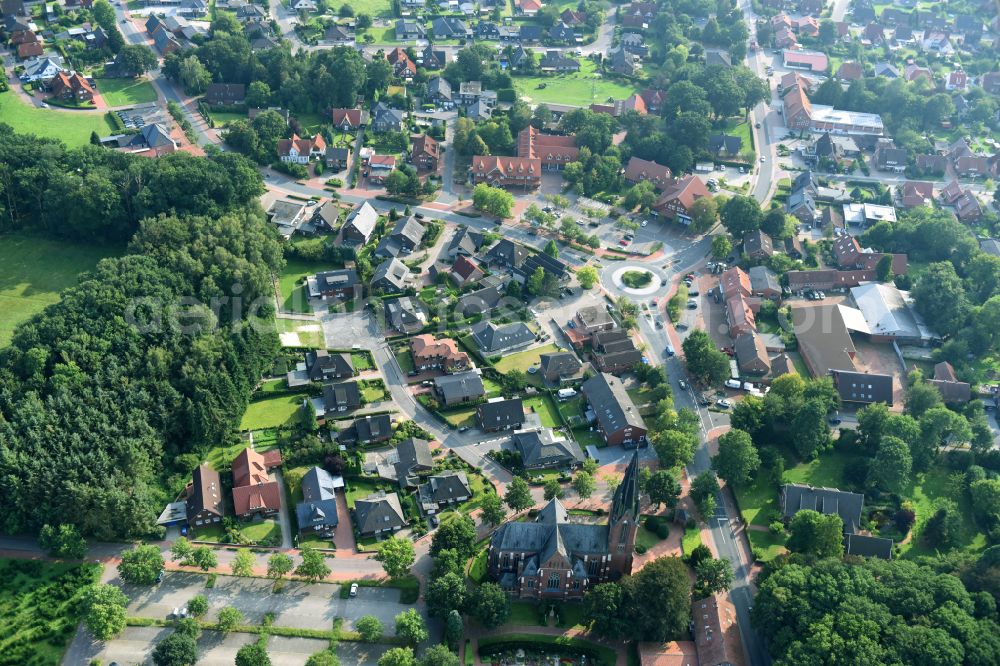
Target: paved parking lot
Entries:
(298, 605)
(136, 644)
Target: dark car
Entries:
(835, 420)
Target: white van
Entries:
(747, 386)
(566, 393)
(733, 384)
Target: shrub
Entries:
(777, 527)
(640, 549)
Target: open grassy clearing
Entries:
(34, 270)
(41, 608)
(271, 412)
(73, 127)
(524, 360)
(295, 333)
(580, 89)
(124, 92)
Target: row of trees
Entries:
(154, 354)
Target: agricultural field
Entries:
(124, 92)
(580, 89)
(35, 270)
(73, 127)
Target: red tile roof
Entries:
(266, 496)
(639, 169)
(353, 117)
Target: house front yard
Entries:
(126, 92)
(580, 89)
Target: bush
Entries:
(777, 527)
(640, 549)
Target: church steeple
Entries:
(623, 522)
(625, 504)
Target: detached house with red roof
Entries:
(466, 271)
(255, 493)
(349, 120)
(676, 200)
(527, 7)
(295, 150)
(71, 87)
(639, 170)
(401, 63)
(426, 153)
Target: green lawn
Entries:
(35, 270)
(585, 438)
(492, 388)
(373, 391)
(294, 297)
(461, 417)
(546, 410)
(826, 471)
(767, 544)
(73, 127)
(758, 501)
(221, 457)
(405, 360)
(524, 613)
(41, 605)
(124, 92)
(691, 539)
(362, 361)
(296, 333)
(740, 128)
(580, 89)
(222, 118)
(923, 493)
(524, 360)
(478, 566)
(264, 531)
(361, 488)
(271, 412)
(646, 538)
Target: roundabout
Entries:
(634, 279)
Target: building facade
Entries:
(553, 558)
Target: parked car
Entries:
(463, 429)
(835, 420)
(354, 589)
(692, 304)
(722, 403)
(683, 384)
(681, 326)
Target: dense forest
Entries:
(153, 355)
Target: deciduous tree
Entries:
(104, 611)
(396, 555)
(370, 628)
(737, 460)
(141, 565)
(518, 496)
(410, 626)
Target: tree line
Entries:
(150, 356)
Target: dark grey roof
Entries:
(480, 301)
(863, 387)
(493, 339)
(563, 363)
(543, 447)
(990, 246)
(363, 219)
(501, 413)
(763, 278)
(368, 428)
(612, 405)
(390, 275)
(405, 311)
(862, 545)
(604, 339)
(413, 456)
(550, 265)
(719, 142)
(507, 252)
(378, 512)
(465, 241)
(829, 501)
(445, 487)
(449, 26)
(758, 241)
(318, 507)
(803, 180)
(750, 350)
(439, 87)
(552, 532)
(461, 385)
(321, 364)
(530, 33)
(404, 237)
(206, 492)
(382, 114)
(626, 499)
(343, 394)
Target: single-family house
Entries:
(618, 419)
(545, 448)
(360, 224)
(378, 513)
(255, 493)
(459, 388)
(317, 512)
(500, 414)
